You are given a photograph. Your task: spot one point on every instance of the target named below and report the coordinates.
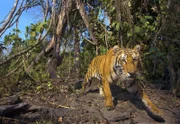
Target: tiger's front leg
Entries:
(107, 95)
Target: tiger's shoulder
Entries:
(113, 50)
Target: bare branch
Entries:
(11, 23)
(18, 14)
(10, 16)
(47, 8)
(53, 16)
(40, 38)
(84, 16)
(89, 40)
(13, 71)
(59, 30)
(18, 54)
(14, 15)
(62, 18)
(50, 45)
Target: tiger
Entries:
(118, 64)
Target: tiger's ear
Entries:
(116, 48)
(138, 48)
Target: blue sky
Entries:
(28, 17)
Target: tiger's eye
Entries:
(123, 59)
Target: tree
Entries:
(79, 30)
(76, 51)
(170, 38)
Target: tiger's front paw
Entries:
(109, 108)
(109, 104)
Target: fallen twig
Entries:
(59, 106)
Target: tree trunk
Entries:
(59, 30)
(174, 79)
(97, 49)
(119, 19)
(76, 52)
(52, 67)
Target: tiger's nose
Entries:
(132, 74)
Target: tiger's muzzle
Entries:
(130, 75)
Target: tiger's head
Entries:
(127, 60)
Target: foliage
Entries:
(19, 65)
(155, 24)
(65, 69)
(87, 54)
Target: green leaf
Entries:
(117, 26)
(33, 34)
(45, 24)
(7, 40)
(152, 49)
(138, 29)
(148, 17)
(113, 24)
(143, 20)
(112, 9)
(38, 28)
(38, 87)
(129, 34)
(161, 54)
(49, 84)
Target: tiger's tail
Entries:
(87, 81)
(137, 90)
(150, 106)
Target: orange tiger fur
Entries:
(118, 64)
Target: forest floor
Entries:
(66, 107)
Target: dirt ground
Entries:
(67, 107)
